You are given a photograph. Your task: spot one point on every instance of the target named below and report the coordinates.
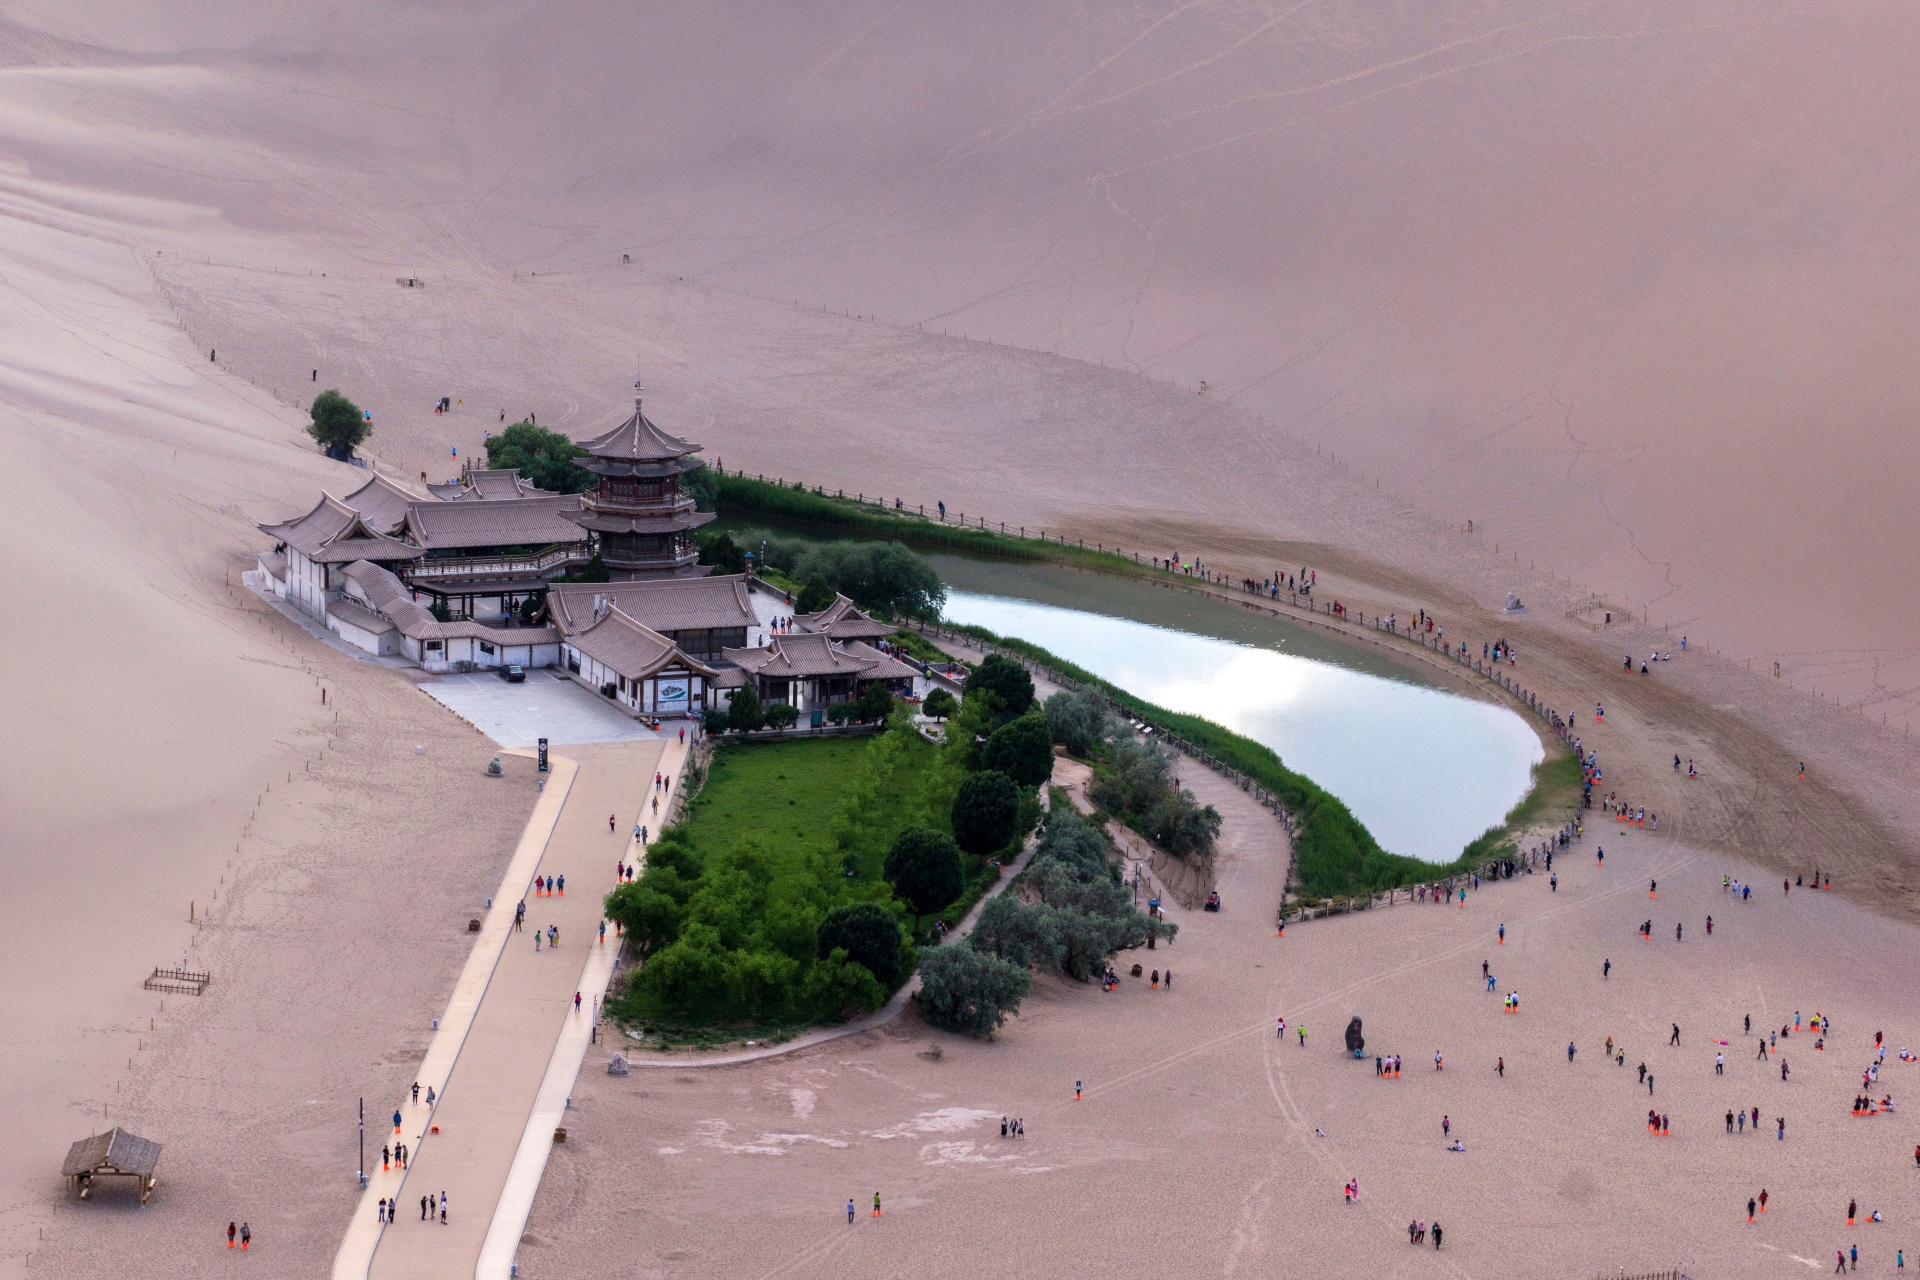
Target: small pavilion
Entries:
(113, 1154)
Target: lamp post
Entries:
(363, 1142)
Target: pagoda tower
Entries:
(641, 518)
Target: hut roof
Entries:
(663, 604)
(115, 1151)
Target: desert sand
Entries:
(1278, 286)
(1207, 1145)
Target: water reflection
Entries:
(1426, 770)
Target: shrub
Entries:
(924, 868)
(650, 918)
(1025, 933)
(1006, 679)
(1022, 749)
(816, 594)
(705, 488)
(842, 985)
(720, 551)
(338, 425)
(986, 812)
(744, 712)
(939, 704)
(841, 712)
(876, 703)
(1077, 721)
(970, 991)
(781, 715)
(867, 934)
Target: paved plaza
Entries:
(546, 705)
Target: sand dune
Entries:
(1626, 287)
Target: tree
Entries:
(970, 991)
(986, 811)
(594, 570)
(720, 551)
(544, 457)
(924, 868)
(875, 703)
(1181, 826)
(1006, 678)
(440, 611)
(650, 918)
(939, 705)
(1022, 749)
(816, 594)
(781, 715)
(841, 712)
(842, 986)
(705, 488)
(744, 712)
(338, 425)
(1024, 933)
(868, 934)
(1076, 721)
(882, 576)
(530, 607)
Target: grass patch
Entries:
(785, 794)
(730, 905)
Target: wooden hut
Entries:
(113, 1154)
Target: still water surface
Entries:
(1425, 768)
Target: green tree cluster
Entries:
(741, 932)
(1081, 913)
(939, 704)
(338, 425)
(1138, 787)
(719, 551)
(971, 992)
(1078, 721)
(544, 457)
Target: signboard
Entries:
(672, 693)
(543, 755)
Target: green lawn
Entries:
(786, 794)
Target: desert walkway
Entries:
(509, 1046)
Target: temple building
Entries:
(663, 638)
(642, 519)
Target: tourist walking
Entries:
(246, 1237)
(443, 1208)
(850, 1206)
(232, 1231)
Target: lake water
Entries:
(1425, 768)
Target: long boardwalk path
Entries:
(512, 1039)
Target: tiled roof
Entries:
(619, 643)
(664, 604)
(483, 485)
(843, 621)
(803, 657)
(334, 533)
(390, 598)
(638, 440)
(524, 522)
(382, 503)
(358, 615)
